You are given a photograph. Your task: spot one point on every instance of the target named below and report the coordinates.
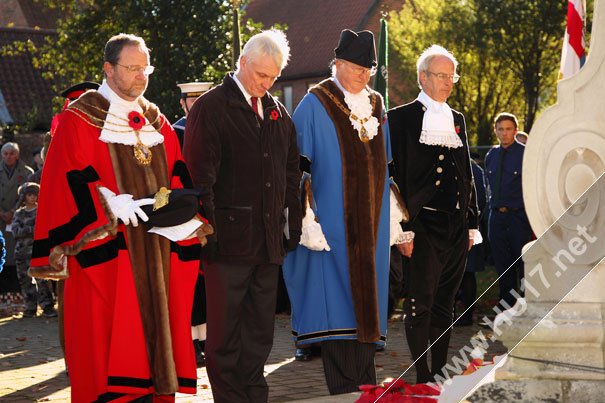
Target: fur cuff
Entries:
(58, 269)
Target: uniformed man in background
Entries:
(509, 227)
(189, 93)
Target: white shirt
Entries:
(248, 97)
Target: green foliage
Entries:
(509, 54)
(189, 41)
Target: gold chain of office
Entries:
(363, 133)
(141, 152)
(102, 121)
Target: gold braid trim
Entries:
(99, 123)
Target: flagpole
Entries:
(381, 82)
(236, 34)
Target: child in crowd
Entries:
(35, 291)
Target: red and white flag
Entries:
(573, 55)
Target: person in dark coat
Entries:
(13, 173)
(433, 173)
(240, 147)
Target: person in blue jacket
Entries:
(509, 227)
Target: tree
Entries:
(189, 41)
(508, 52)
(530, 35)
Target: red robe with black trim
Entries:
(106, 350)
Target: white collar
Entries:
(360, 106)
(437, 123)
(115, 128)
(248, 96)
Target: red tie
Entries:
(254, 102)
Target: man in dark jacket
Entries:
(433, 172)
(240, 146)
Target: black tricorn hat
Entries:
(357, 47)
(73, 92)
(182, 205)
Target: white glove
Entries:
(125, 208)
(312, 237)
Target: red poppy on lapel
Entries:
(136, 120)
(274, 114)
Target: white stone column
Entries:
(559, 338)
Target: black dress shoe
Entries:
(303, 354)
(200, 360)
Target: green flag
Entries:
(381, 82)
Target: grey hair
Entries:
(428, 55)
(10, 146)
(272, 43)
(116, 43)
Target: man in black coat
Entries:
(433, 172)
(240, 147)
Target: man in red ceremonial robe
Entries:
(129, 293)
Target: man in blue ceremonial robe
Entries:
(337, 279)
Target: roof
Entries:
(28, 14)
(313, 28)
(21, 85)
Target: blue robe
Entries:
(318, 282)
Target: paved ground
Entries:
(32, 368)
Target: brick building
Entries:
(313, 28)
(24, 94)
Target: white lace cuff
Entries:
(475, 235)
(437, 138)
(312, 236)
(408, 236)
(396, 216)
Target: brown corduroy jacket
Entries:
(248, 171)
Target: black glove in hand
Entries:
(292, 243)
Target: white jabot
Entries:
(360, 105)
(249, 97)
(438, 124)
(116, 130)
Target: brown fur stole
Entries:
(363, 174)
(149, 253)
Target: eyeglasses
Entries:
(442, 76)
(147, 70)
(360, 70)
